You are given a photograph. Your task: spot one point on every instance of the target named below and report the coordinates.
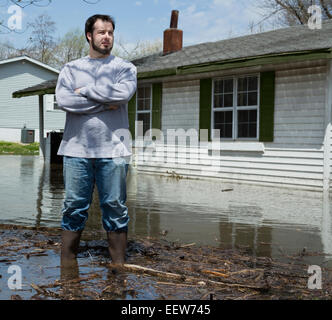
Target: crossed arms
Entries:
(95, 98)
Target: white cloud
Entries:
(203, 21)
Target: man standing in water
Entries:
(94, 92)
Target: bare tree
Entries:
(7, 50)
(25, 3)
(292, 12)
(131, 51)
(40, 3)
(42, 41)
(71, 46)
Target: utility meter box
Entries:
(27, 135)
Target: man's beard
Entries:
(105, 51)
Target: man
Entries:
(94, 91)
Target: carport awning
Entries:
(46, 87)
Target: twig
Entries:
(44, 291)
(135, 268)
(218, 274)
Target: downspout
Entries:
(41, 127)
(328, 128)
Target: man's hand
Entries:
(77, 91)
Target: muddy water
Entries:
(268, 221)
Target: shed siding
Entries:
(15, 113)
(294, 158)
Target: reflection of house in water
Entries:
(268, 220)
(238, 234)
(50, 194)
(143, 211)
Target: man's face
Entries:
(102, 37)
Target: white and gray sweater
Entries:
(92, 130)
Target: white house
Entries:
(16, 74)
(260, 105)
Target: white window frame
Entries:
(235, 108)
(51, 107)
(144, 111)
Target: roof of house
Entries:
(34, 61)
(297, 42)
(287, 40)
(46, 87)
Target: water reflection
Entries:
(267, 221)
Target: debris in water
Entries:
(152, 270)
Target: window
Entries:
(55, 104)
(235, 107)
(143, 103)
(50, 102)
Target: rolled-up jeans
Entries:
(80, 176)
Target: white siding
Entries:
(300, 108)
(15, 113)
(294, 159)
(180, 105)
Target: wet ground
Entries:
(273, 224)
(154, 269)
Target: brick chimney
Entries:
(173, 36)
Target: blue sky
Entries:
(139, 20)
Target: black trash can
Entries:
(54, 139)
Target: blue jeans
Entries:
(80, 176)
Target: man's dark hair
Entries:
(92, 20)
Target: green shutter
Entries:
(132, 115)
(157, 91)
(266, 116)
(205, 99)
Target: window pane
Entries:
(140, 93)
(140, 104)
(228, 130)
(253, 116)
(252, 99)
(242, 84)
(223, 120)
(242, 99)
(252, 83)
(219, 86)
(218, 101)
(147, 92)
(228, 100)
(228, 86)
(243, 116)
(145, 117)
(252, 130)
(143, 98)
(247, 124)
(147, 104)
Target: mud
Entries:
(154, 269)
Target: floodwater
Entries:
(271, 222)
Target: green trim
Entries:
(34, 93)
(250, 62)
(157, 91)
(205, 105)
(240, 63)
(157, 73)
(266, 106)
(132, 115)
